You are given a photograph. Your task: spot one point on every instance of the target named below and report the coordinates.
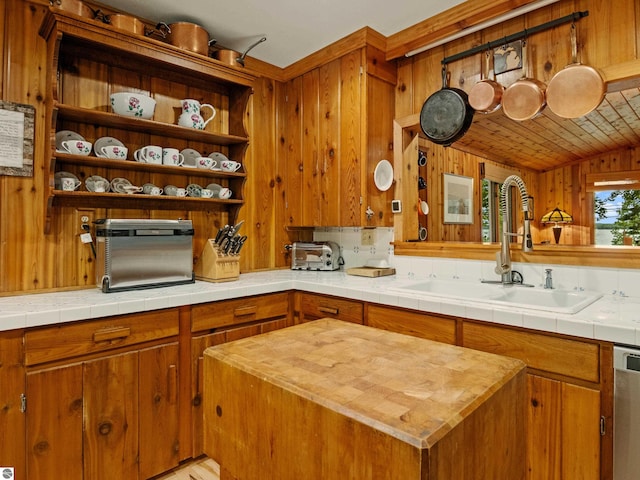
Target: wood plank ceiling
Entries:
(548, 141)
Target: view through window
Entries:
(617, 217)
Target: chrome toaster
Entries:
(315, 256)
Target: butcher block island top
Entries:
(334, 400)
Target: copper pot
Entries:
(189, 36)
(74, 6)
(577, 89)
(525, 98)
(125, 22)
(486, 95)
(233, 58)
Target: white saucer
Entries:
(190, 157)
(64, 136)
(383, 175)
(105, 142)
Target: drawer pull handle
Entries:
(242, 311)
(109, 334)
(331, 310)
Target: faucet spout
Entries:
(503, 266)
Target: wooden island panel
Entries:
(332, 399)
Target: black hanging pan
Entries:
(446, 115)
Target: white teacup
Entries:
(230, 166)
(69, 184)
(151, 189)
(77, 147)
(101, 186)
(115, 151)
(224, 193)
(170, 190)
(149, 154)
(172, 156)
(181, 192)
(205, 162)
(206, 193)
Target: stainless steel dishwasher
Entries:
(626, 413)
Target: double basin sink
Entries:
(537, 298)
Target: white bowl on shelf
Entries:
(131, 104)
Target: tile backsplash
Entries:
(609, 281)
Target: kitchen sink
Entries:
(550, 300)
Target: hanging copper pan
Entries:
(577, 89)
(486, 95)
(525, 98)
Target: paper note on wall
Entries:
(11, 138)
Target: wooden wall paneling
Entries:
(331, 156)
(608, 35)
(379, 145)
(27, 262)
(404, 88)
(293, 167)
(311, 214)
(261, 186)
(352, 164)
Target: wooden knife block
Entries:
(215, 266)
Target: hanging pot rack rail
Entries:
(575, 16)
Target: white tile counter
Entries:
(612, 318)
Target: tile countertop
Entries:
(612, 318)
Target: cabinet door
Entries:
(159, 414)
(54, 423)
(111, 417)
(12, 427)
(563, 431)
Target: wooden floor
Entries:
(201, 469)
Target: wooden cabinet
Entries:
(339, 125)
(219, 322)
(311, 306)
(87, 61)
(103, 401)
(569, 399)
(11, 391)
(419, 324)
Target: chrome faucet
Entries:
(503, 257)
(548, 281)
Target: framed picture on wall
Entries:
(458, 199)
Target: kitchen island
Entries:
(330, 399)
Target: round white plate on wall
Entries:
(383, 175)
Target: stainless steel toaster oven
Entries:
(140, 253)
(315, 256)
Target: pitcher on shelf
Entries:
(191, 117)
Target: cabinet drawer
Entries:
(320, 306)
(562, 356)
(71, 340)
(241, 310)
(417, 324)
